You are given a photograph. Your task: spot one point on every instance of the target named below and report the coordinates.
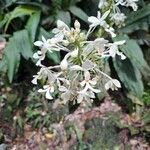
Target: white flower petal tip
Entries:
(38, 43)
(64, 64)
(120, 42)
(113, 84)
(74, 53)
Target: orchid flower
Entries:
(113, 84)
(112, 50)
(49, 89)
(87, 83)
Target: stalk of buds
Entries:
(78, 76)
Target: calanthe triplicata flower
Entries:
(80, 73)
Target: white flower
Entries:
(113, 50)
(76, 67)
(128, 3)
(87, 83)
(77, 24)
(113, 84)
(102, 3)
(60, 30)
(111, 31)
(44, 44)
(88, 65)
(120, 2)
(64, 63)
(43, 73)
(99, 20)
(48, 89)
(66, 94)
(118, 18)
(85, 96)
(132, 3)
(50, 45)
(40, 55)
(98, 44)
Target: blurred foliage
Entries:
(24, 21)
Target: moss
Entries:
(101, 134)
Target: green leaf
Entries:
(12, 55)
(135, 16)
(129, 75)
(64, 16)
(18, 12)
(18, 44)
(142, 24)
(146, 117)
(23, 44)
(79, 13)
(55, 56)
(133, 51)
(32, 25)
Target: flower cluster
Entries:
(78, 76)
(116, 16)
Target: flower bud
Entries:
(65, 42)
(64, 64)
(77, 24)
(74, 53)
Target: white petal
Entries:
(123, 57)
(80, 98)
(46, 86)
(52, 89)
(48, 95)
(34, 81)
(90, 94)
(76, 67)
(87, 75)
(108, 85)
(105, 15)
(43, 39)
(99, 15)
(82, 83)
(41, 90)
(74, 53)
(55, 30)
(94, 90)
(93, 19)
(64, 64)
(35, 56)
(62, 88)
(116, 83)
(38, 43)
(93, 82)
(120, 42)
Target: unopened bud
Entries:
(75, 53)
(65, 42)
(64, 64)
(77, 24)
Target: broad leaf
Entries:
(18, 12)
(79, 13)
(135, 16)
(23, 43)
(32, 25)
(12, 55)
(129, 75)
(64, 16)
(133, 51)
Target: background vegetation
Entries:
(24, 21)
